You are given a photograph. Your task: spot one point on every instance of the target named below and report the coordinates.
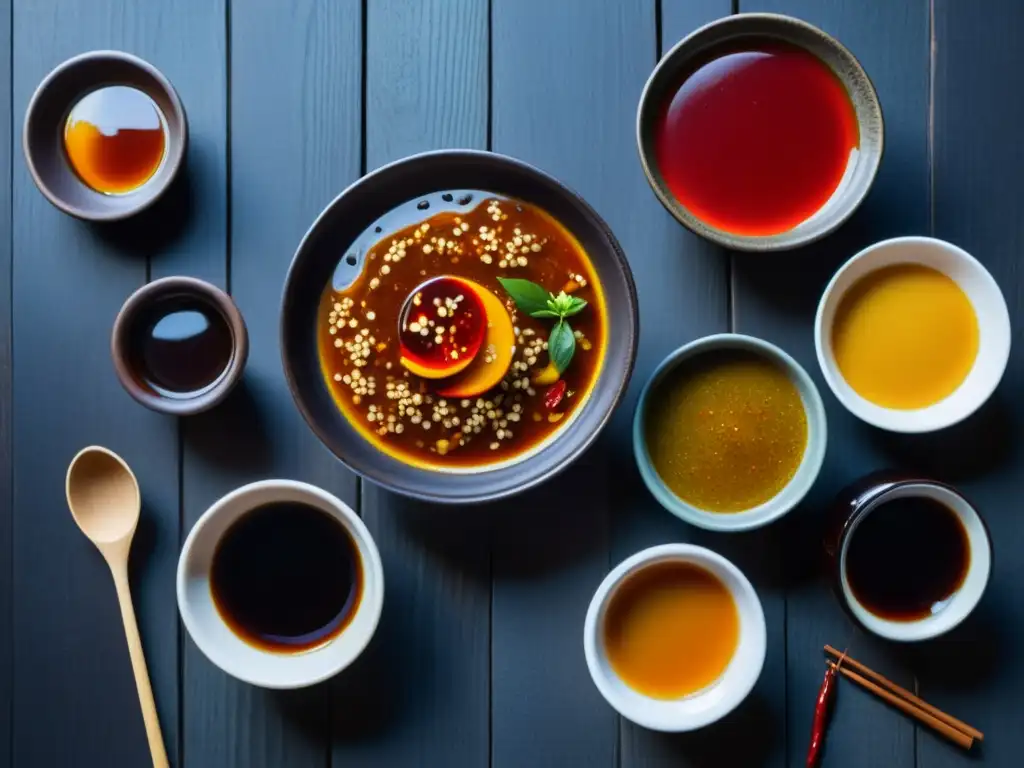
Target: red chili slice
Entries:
(554, 394)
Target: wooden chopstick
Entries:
(906, 695)
(953, 734)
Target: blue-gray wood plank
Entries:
(977, 197)
(426, 88)
(6, 500)
(478, 660)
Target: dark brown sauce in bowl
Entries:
(181, 346)
(907, 558)
(910, 557)
(286, 577)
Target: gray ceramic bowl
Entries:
(43, 142)
(125, 356)
(799, 484)
(430, 179)
(860, 175)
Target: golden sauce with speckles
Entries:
(726, 433)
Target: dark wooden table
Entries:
(478, 660)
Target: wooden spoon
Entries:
(104, 498)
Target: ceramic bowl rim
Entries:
(691, 44)
(173, 161)
(895, 420)
(210, 295)
(748, 605)
(363, 539)
(615, 382)
(804, 477)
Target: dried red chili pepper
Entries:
(821, 712)
(554, 394)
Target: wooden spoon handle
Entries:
(131, 631)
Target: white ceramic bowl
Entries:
(806, 473)
(228, 651)
(993, 327)
(963, 600)
(709, 704)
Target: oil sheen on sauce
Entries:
(727, 431)
(114, 139)
(181, 346)
(757, 137)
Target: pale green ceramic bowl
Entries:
(803, 478)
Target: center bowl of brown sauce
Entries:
(381, 326)
(414, 347)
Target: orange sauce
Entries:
(905, 336)
(671, 630)
(114, 139)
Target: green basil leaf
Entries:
(561, 345)
(545, 313)
(527, 295)
(575, 307)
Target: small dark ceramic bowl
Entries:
(43, 134)
(860, 174)
(369, 201)
(125, 357)
(854, 503)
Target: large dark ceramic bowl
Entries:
(369, 202)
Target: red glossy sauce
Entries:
(441, 324)
(757, 138)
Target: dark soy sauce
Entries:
(286, 577)
(182, 346)
(906, 558)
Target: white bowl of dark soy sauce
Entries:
(179, 345)
(911, 556)
(280, 584)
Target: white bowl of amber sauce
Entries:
(675, 637)
(912, 334)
